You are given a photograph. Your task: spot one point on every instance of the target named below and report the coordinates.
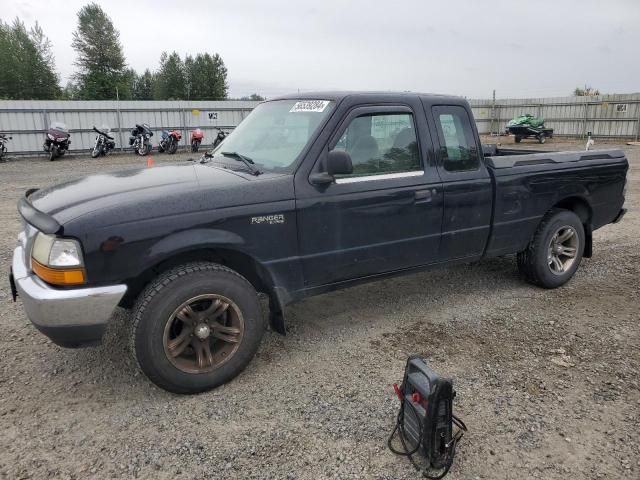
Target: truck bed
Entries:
(529, 182)
(502, 158)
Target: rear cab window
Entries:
(458, 149)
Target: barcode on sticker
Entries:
(310, 106)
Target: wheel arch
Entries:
(581, 207)
(241, 262)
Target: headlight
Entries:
(57, 260)
(51, 137)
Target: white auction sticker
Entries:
(310, 106)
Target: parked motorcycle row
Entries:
(4, 138)
(104, 142)
(58, 140)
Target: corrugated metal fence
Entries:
(604, 116)
(27, 121)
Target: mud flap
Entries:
(588, 238)
(276, 319)
(278, 298)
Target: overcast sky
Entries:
(520, 48)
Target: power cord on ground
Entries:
(405, 452)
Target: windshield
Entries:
(58, 126)
(274, 133)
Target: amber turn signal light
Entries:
(58, 276)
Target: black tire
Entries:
(53, 153)
(145, 149)
(95, 153)
(518, 138)
(542, 138)
(534, 262)
(173, 147)
(195, 145)
(156, 305)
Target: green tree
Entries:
(219, 85)
(127, 87)
(101, 63)
(43, 44)
(144, 86)
(171, 79)
(27, 64)
(587, 91)
(206, 77)
(255, 97)
(189, 76)
(70, 91)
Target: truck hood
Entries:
(158, 190)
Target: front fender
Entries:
(188, 240)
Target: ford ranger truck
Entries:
(310, 193)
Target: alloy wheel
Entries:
(203, 333)
(563, 249)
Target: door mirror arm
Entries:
(321, 178)
(335, 163)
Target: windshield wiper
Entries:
(251, 165)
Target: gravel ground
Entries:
(547, 381)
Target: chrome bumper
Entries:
(71, 318)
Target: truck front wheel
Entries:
(554, 254)
(196, 327)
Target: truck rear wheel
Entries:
(554, 254)
(196, 327)
(518, 138)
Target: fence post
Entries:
(586, 118)
(45, 119)
(493, 116)
(184, 128)
(638, 125)
(119, 122)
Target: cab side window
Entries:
(457, 142)
(380, 144)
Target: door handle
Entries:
(423, 196)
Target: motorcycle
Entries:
(196, 139)
(57, 141)
(104, 142)
(3, 141)
(169, 141)
(220, 137)
(140, 139)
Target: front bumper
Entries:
(71, 318)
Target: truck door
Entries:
(468, 191)
(384, 216)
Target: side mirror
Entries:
(337, 163)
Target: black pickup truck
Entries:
(309, 194)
